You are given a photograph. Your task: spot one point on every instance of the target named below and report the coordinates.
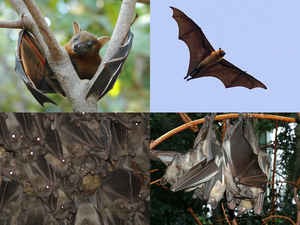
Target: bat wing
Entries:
(165, 157)
(230, 75)
(111, 70)
(245, 167)
(192, 35)
(30, 64)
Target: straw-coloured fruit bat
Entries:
(205, 61)
(247, 169)
(207, 176)
(83, 49)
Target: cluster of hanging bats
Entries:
(209, 169)
(77, 169)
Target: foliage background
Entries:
(166, 208)
(131, 92)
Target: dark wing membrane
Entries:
(34, 72)
(192, 35)
(230, 75)
(245, 167)
(110, 72)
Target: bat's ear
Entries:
(76, 27)
(103, 40)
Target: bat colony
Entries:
(74, 169)
(237, 167)
(205, 61)
(83, 49)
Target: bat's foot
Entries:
(186, 76)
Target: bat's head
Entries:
(84, 42)
(221, 52)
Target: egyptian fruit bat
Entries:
(11, 197)
(87, 211)
(42, 177)
(205, 61)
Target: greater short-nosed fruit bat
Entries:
(112, 68)
(246, 168)
(205, 61)
(32, 67)
(11, 197)
(208, 175)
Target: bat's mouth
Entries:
(76, 50)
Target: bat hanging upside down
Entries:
(205, 61)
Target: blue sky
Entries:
(260, 37)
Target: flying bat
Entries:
(246, 168)
(207, 176)
(205, 61)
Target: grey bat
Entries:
(246, 174)
(87, 211)
(15, 170)
(42, 177)
(208, 175)
(11, 197)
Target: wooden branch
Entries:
(187, 119)
(117, 38)
(13, 24)
(219, 117)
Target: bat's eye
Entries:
(31, 153)
(178, 167)
(62, 207)
(38, 138)
(89, 44)
(122, 206)
(63, 160)
(11, 173)
(76, 38)
(47, 186)
(13, 136)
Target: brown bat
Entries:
(205, 61)
(111, 70)
(32, 67)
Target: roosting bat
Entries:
(42, 177)
(111, 70)
(246, 168)
(32, 67)
(86, 211)
(208, 175)
(11, 197)
(205, 61)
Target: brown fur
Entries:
(85, 58)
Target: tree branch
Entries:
(15, 24)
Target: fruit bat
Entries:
(208, 174)
(246, 174)
(122, 200)
(15, 170)
(42, 177)
(33, 212)
(205, 61)
(120, 144)
(183, 162)
(72, 182)
(11, 197)
(62, 207)
(107, 77)
(32, 67)
(87, 211)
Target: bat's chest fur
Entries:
(211, 59)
